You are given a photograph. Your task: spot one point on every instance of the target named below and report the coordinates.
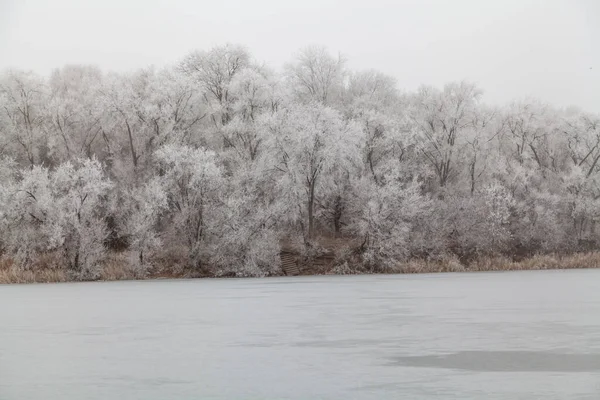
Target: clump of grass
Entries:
(119, 267)
(11, 273)
(421, 266)
(581, 260)
(537, 262)
(487, 263)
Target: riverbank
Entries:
(117, 269)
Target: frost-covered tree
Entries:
(192, 178)
(73, 112)
(255, 96)
(248, 237)
(59, 211)
(24, 97)
(388, 214)
(443, 118)
(8, 172)
(80, 189)
(371, 89)
(315, 75)
(139, 216)
(214, 70)
(307, 143)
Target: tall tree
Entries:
(315, 75)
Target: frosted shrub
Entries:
(387, 220)
(139, 218)
(80, 191)
(483, 224)
(60, 211)
(192, 179)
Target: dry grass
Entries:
(419, 266)
(537, 262)
(10, 273)
(116, 267)
(452, 264)
(119, 267)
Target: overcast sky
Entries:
(511, 48)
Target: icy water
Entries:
(515, 335)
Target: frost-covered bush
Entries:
(80, 191)
(481, 224)
(389, 213)
(248, 243)
(228, 229)
(59, 211)
(193, 179)
(138, 216)
(8, 172)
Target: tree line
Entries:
(218, 162)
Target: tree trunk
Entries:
(337, 215)
(472, 173)
(134, 157)
(311, 204)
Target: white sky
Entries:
(511, 48)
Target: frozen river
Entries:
(515, 335)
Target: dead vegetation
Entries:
(10, 273)
(119, 267)
(452, 264)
